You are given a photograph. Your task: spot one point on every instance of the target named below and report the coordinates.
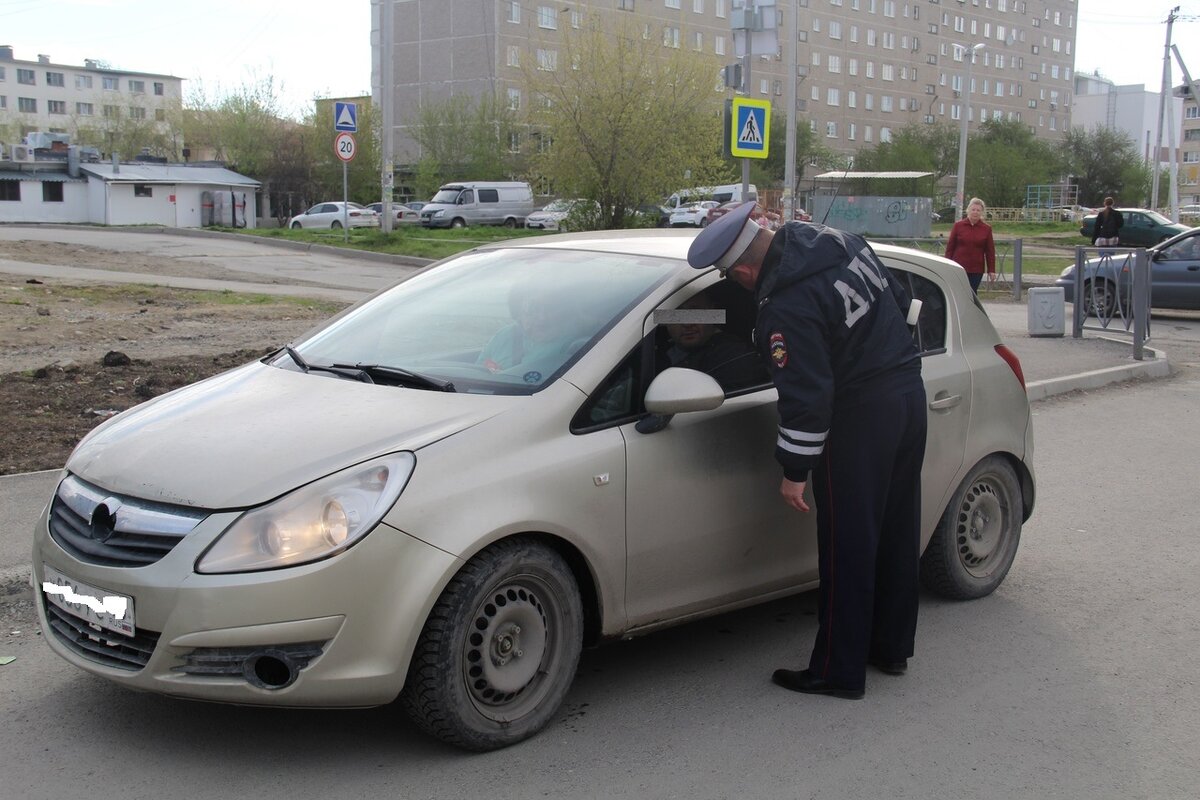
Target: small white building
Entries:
(173, 195)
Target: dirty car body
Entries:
(406, 503)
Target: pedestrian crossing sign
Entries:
(751, 129)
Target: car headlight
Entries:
(439, 212)
(1067, 271)
(313, 522)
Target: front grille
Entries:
(115, 531)
(102, 646)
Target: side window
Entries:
(930, 332)
(489, 196)
(619, 398)
(467, 198)
(723, 350)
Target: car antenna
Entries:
(836, 192)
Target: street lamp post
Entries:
(969, 52)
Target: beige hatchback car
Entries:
(446, 491)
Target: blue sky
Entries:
(322, 47)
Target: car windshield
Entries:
(446, 196)
(505, 321)
(1157, 218)
(557, 205)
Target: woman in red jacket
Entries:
(971, 245)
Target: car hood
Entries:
(249, 435)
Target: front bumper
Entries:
(346, 626)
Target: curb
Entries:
(1155, 365)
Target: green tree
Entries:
(1104, 162)
(772, 170)
(464, 138)
(917, 147)
(623, 120)
(1003, 159)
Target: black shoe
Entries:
(804, 681)
(898, 667)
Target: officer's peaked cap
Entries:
(723, 242)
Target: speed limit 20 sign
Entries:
(345, 146)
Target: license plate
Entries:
(102, 608)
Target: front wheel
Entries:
(499, 649)
(510, 223)
(458, 222)
(296, 226)
(335, 225)
(704, 222)
(976, 539)
(1099, 298)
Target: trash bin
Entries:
(1046, 316)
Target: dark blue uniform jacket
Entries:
(831, 327)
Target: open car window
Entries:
(930, 330)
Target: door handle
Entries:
(945, 401)
(1194, 268)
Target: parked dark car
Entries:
(1174, 277)
(1142, 227)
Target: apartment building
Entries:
(42, 95)
(1129, 108)
(1189, 147)
(865, 68)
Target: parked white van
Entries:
(457, 205)
(725, 193)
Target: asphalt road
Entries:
(1078, 678)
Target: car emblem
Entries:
(104, 520)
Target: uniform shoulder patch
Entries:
(778, 349)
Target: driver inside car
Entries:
(542, 337)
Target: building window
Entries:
(548, 18)
(869, 101)
(698, 42)
(885, 134)
(871, 37)
(887, 72)
(672, 3)
(854, 34)
(885, 103)
(1, 73)
(112, 112)
(110, 84)
(160, 115)
(142, 190)
(27, 105)
(721, 9)
(698, 6)
(576, 18)
(55, 79)
(137, 112)
(137, 87)
(56, 106)
(547, 60)
(889, 8)
(514, 55)
(851, 99)
(719, 45)
(622, 5)
(26, 76)
(1192, 112)
(831, 130)
(514, 99)
(514, 11)
(52, 192)
(83, 81)
(670, 36)
(10, 190)
(833, 97)
(764, 86)
(3, 101)
(835, 64)
(851, 131)
(514, 142)
(835, 29)
(889, 40)
(852, 67)
(158, 88)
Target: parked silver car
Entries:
(1174, 277)
(446, 491)
(336, 215)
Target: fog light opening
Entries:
(270, 670)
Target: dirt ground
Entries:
(73, 355)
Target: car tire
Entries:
(335, 225)
(499, 649)
(296, 226)
(976, 539)
(458, 222)
(510, 223)
(1102, 302)
(704, 222)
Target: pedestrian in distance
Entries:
(832, 327)
(1107, 232)
(971, 245)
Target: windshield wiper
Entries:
(350, 373)
(400, 375)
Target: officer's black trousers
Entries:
(868, 497)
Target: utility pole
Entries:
(1162, 108)
(789, 148)
(387, 105)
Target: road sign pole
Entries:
(346, 202)
(746, 88)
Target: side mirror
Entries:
(677, 390)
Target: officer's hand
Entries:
(793, 493)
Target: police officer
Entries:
(852, 413)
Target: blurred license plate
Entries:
(104, 609)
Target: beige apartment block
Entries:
(42, 95)
(1189, 151)
(865, 68)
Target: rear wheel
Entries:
(1099, 298)
(335, 225)
(510, 223)
(499, 649)
(976, 539)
